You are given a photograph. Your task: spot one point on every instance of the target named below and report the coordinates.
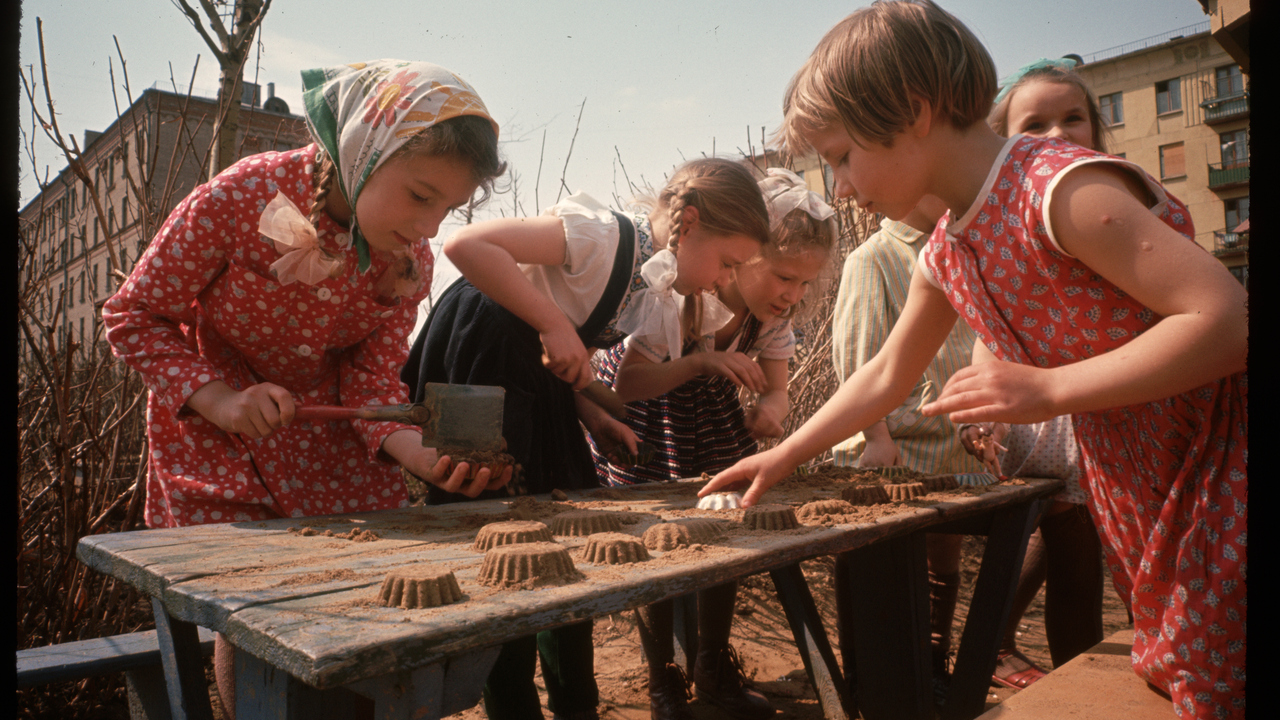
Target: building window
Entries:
(1236, 211)
(1241, 273)
(1229, 81)
(1168, 96)
(1173, 161)
(1111, 108)
(1235, 148)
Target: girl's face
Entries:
(772, 285)
(406, 199)
(1051, 109)
(706, 260)
(878, 178)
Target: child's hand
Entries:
(880, 453)
(762, 422)
(735, 366)
(969, 437)
(566, 357)
(763, 471)
(1003, 391)
(405, 446)
(253, 412)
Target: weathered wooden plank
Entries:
(989, 609)
(183, 666)
(684, 626)
(811, 641)
(296, 629)
(99, 656)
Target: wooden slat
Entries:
(99, 656)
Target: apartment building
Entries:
(77, 241)
(1178, 105)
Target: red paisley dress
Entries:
(1168, 479)
(202, 304)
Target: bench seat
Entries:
(99, 656)
(1099, 683)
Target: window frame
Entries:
(1172, 94)
(1182, 148)
(1111, 108)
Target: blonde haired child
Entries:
(242, 308)
(688, 409)
(1078, 272)
(535, 294)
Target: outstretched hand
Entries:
(762, 470)
(1003, 391)
(405, 446)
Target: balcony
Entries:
(1230, 243)
(1228, 175)
(1225, 109)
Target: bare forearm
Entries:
(641, 380)
(493, 271)
(1176, 355)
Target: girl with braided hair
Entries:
(688, 409)
(536, 293)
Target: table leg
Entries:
(183, 666)
(989, 609)
(685, 626)
(882, 605)
(433, 691)
(811, 640)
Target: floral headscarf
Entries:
(363, 112)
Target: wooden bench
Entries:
(1099, 683)
(135, 654)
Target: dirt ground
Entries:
(764, 643)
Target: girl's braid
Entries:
(324, 178)
(681, 194)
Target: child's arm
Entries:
(765, 419)
(640, 378)
(1203, 335)
(486, 253)
(867, 396)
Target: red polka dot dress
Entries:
(1168, 479)
(202, 304)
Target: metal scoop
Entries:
(466, 417)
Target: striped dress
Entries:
(873, 290)
(697, 427)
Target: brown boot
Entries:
(668, 693)
(718, 679)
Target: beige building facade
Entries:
(1179, 106)
(78, 240)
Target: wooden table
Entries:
(301, 609)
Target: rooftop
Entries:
(1162, 38)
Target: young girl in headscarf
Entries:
(293, 278)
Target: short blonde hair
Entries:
(868, 72)
(999, 117)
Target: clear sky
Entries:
(662, 80)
